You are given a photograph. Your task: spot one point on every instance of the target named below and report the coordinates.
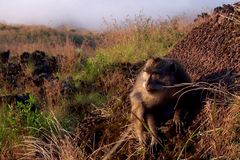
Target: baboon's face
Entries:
(158, 73)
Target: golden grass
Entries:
(131, 42)
(54, 144)
(218, 127)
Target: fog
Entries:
(90, 13)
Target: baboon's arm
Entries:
(137, 117)
(153, 130)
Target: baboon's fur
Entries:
(153, 97)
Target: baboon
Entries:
(154, 98)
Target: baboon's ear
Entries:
(158, 59)
(173, 67)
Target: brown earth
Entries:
(212, 49)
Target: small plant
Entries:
(23, 118)
(93, 67)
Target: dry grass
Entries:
(54, 144)
(220, 132)
(105, 132)
(138, 28)
(218, 125)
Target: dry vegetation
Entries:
(85, 110)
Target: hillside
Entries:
(20, 38)
(64, 94)
(213, 46)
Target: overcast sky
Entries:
(90, 13)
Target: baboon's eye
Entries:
(156, 76)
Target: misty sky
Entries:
(89, 13)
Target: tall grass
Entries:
(56, 143)
(100, 106)
(139, 39)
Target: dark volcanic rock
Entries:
(25, 57)
(44, 67)
(4, 56)
(204, 15)
(12, 72)
(38, 57)
(42, 70)
(226, 8)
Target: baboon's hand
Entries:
(178, 123)
(155, 146)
